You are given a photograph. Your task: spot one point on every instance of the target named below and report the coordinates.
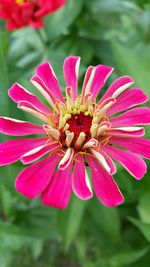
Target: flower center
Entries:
(78, 131)
(80, 123)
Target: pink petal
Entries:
(28, 107)
(119, 85)
(66, 160)
(125, 131)
(80, 184)
(135, 116)
(135, 144)
(11, 151)
(17, 93)
(95, 79)
(39, 152)
(86, 79)
(110, 162)
(47, 75)
(44, 90)
(128, 99)
(131, 162)
(33, 180)
(71, 70)
(104, 185)
(18, 128)
(58, 192)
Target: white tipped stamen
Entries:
(54, 133)
(66, 127)
(69, 138)
(67, 117)
(91, 143)
(80, 139)
(101, 129)
(87, 100)
(93, 130)
(69, 100)
(77, 103)
(62, 120)
(62, 108)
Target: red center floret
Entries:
(77, 124)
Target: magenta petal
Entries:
(110, 162)
(71, 69)
(38, 152)
(135, 144)
(104, 185)
(47, 75)
(101, 75)
(79, 180)
(33, 180)
(130, 161)
(17, 93)
(19, 128)
(126, 131)
(87, 78)
(95, 79)
(44, 90)
(135, 116)
(123, 82)
(11, 151)
(128, 99)
(58, 192)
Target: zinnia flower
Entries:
(77, 133)
(21, 13)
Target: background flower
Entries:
(21, 13)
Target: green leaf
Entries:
(59, 22)
(6, 200)
(127, 257)
(70, 220)
(144, 207)
(101, 216)
(130, 63)
(4, 82)
(143, 227)
(113, 6)
(5, 257)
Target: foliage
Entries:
(86, 234)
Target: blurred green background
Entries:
(86, 234)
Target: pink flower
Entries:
(76, 131)
(21, 13)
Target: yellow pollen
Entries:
(19, 2)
